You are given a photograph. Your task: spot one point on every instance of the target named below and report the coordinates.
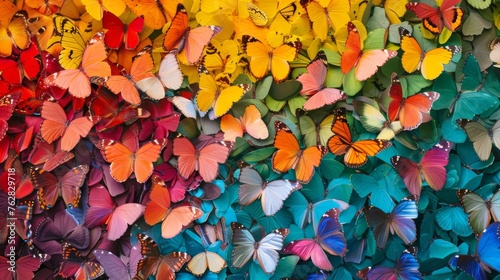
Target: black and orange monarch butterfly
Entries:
(356, 153)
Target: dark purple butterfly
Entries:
(399, 221)
(24, 266)
(406, 267)
(74, 265)
(63, 227)
(328, 239)
(22, 214)
(487, 256)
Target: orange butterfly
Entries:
(45, 7)
(189, 42)
(92, 64)
(159, 209)
(156, 13)
(13, 28)
(290, 156)
(356, 153)
(251, 122)
(127, 157)
(56, 125)
(142, 68)
(205, 160)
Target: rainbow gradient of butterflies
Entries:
(262, 139)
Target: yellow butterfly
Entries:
(326, 14)
(430, 63)
(222, 59)
(258, 16)
(96, 8)
(263, 58)
(218, 95)
(73, 45)
(199, 263)
(394, 9)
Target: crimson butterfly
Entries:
(119, 33)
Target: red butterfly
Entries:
(119, 33)
(434, 19)
(50, 187)
(7, 104)
(24, 267)
(77, 267)
(162, 121)
(50, 155)
(411, 111)
(57, 125)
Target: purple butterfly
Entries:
(117, 268)
(406, 267)
(399, 221)
(328, 239)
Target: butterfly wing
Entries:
(54, 123)
(313, 80)
(251, 187)
(324, 97)
(275, 193)
(178, 219)
(379, 220)
(328, 233)
(71, 183)
(131, 39)
(253, 124)
(488, 247)
(434, 61)
(353, 49)
(309, 249)
(170, 264)
(430, 16)
(186, 153)
(341, 141)
(479, 136)
(432, 165)
(310, 158)
(170, 73)
(402, 220)
(259, 56)
(370, 61)
(46, 183)
(159, 205)
(280, 58)
(409, 171)
(288, 149)
(227, 97)
(175, 33)
(123, 216)
(244, 245)
(267, 251)
(115, 34)
(412, 51)
(196, 41)
(358, 154)
(452, 16)
(209, 158)
(155, 13)
(121, 159)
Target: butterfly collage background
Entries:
(265, 139)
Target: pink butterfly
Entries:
(205, 160)
(313, 85)
(431, 168)
(103, 210)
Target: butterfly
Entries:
(13, 29)
(399, 221)
(206, 260)
(142, 68)
(434, 19)
(264, 58)
(394, 9)
(50, 155)
(315, 127)
(98, 8)
(356, 153)
(328, 239)
(430, 63)
(479, 209)
(265, 251)
(205, 160)
(163, 119)
(156, 13)
(271, 193)
(218, 94)
(406, 267)
(258, 16)
(410, 111)
(116, 268)
(364, 63)
(128, 158)
(7, 104)
(370, 116)
(251, 122)
(159, 209)
(189, 42)
(209, 234)
(24, 266)
(119, 33)
(326, 14)
(153, 263)
(486, 256)
(75, 265)
(289, 155)
(103, 210)
(482, 138)
(313, 85)
(63, 226)
(50, 187)
(105, 105)
(56, 125)
(431, 168)
(168, 76)
(25, 65)
(82, 62)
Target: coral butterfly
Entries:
(50, 187)
(205, 160)
(410, 111)
(189, 42)
(328, 239)
(119, 33)
(313, 85)
(356, 153)
(264, 58)
(430, 63)
(103, 210)
(56, 125)
(364, 63)
(431, 167)
(251, 122)
(173, 218)
(434, 19)
(154, 263)
(289, 155)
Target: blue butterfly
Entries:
(486, 256)
(406, 268)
